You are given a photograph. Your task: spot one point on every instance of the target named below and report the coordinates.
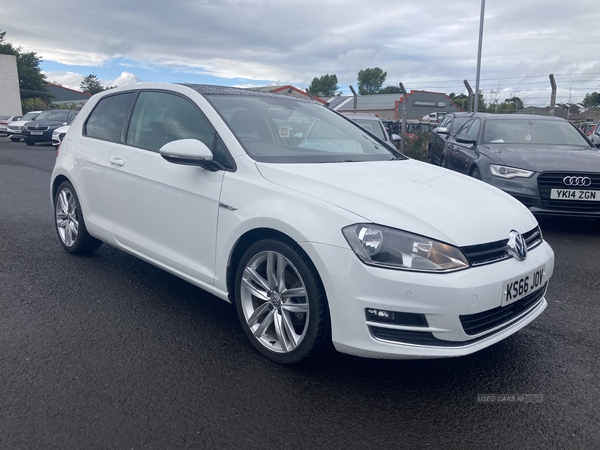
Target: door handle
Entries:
(116, 161)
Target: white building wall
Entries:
(10, 98)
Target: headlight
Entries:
(381, 246)
(509, 172)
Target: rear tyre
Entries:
(28, 142)
(281, 302)
(69, 222)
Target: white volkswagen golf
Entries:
(315, 229)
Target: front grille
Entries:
(492, 252)
(486, 320)
(554, 180)
(33, 128)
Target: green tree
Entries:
(592, 100)
(461, 101)
(512, 104)
(391, 89)
(324, 86)
(91, 84)
(28, 66)
(370, 80)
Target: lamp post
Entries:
(479, 55)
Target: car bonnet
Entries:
(411, 196)
(542, 158)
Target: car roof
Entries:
(207, 89)
(360, 115)
(521, 117)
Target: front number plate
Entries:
(522, 286)
(574, 194)
(37, 133)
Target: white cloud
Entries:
(125, 79)
(292, 41)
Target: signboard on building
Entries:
(432, 104)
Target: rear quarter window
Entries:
(107, 119)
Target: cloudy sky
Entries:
(426, 44)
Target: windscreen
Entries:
(58, 116)
(532, 132)
(282, 130)
(371, 125)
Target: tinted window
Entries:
(106, 120)
(160, 117)
(445, 121)
(474, 129)
(464, 127)
(459, 122)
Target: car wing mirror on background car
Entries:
(189, 152)
(441, 130)
(465, 139)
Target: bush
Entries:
(417, 147)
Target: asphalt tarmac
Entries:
(105, 351)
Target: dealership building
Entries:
(390, 106)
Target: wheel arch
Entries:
(55, 184)
(249, 238)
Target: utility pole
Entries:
(479, 55)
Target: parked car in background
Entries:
(5, 120)
(309, 225)
(449, 125)
(14, 130)
(373, 124)
(60, 132)
(42, 128)
(595, 136)
(588, 128)
(544, 162)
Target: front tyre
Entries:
(281, 302)
(28, 142)
(69, 222)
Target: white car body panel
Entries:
(187, 220)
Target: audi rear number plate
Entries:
(575, 194)
(37, 133)
(518, 288)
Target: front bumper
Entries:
(536, 196)
(46, 137)
(442, 300)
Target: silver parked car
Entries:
(5, 120)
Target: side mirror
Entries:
(465, 139)
(188, 152)
(441, 130)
